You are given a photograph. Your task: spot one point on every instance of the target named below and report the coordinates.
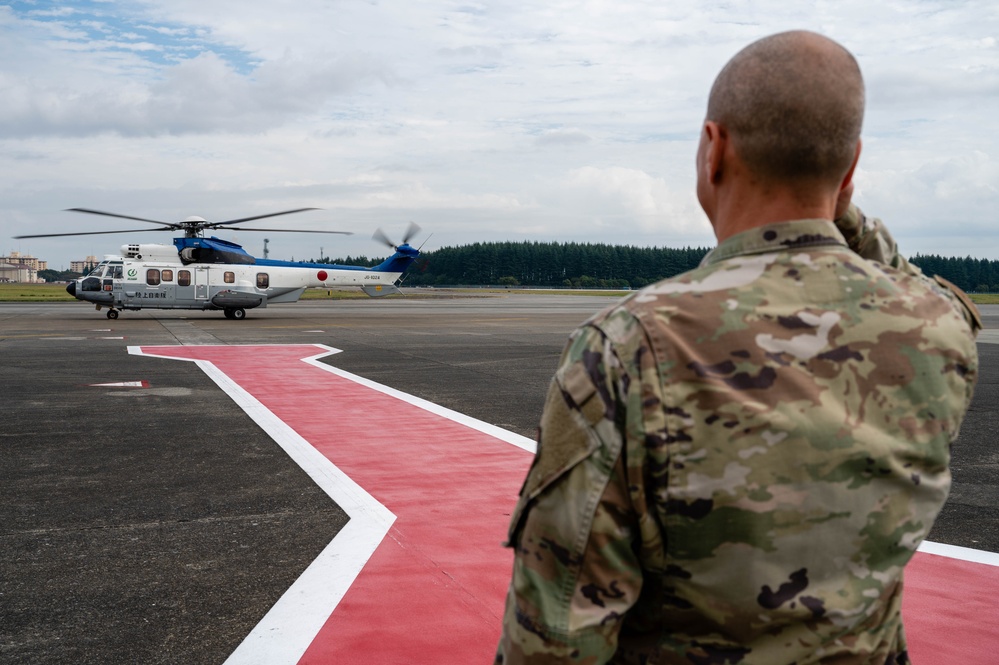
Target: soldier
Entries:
(735, 464)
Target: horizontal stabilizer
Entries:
(379, 290)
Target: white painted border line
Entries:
(287, 630)
(436, 409)
(962, 553)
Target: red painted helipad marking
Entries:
(433, 589)
(440, 486)
(951, 606)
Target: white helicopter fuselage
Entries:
(153, 276)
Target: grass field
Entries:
(34, 293)
(57, 293)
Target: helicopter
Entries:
(214, 274)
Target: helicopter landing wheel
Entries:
(112, 314)
(239, 313)
(228, 313)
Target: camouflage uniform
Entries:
(735, 464)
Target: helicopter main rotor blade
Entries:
(271, 214)
(191, 228)
(114, 214)
(243, 228)
(89, 233)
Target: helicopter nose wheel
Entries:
(112, 314)
(237, 313)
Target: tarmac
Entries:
(155, 522)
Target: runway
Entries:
(157, 522)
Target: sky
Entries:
(480, 121)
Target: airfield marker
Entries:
(418, 574)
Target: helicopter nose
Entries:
(71, 289)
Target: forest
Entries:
(587, 265)
(577, 265)
(972, 275)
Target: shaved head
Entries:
(793, 104)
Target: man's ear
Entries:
(716, 140)
(845, 194)
(848, 178)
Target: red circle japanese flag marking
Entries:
(322, 275)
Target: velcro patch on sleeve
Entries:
(576, 383)
(975, 317)
(565, 439)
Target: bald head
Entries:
(793, 104)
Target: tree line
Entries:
(546, 264)
(571, 264)
(972, 275)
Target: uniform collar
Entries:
(784, 236)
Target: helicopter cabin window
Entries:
(229, 277)
(153, 277)
(263, 280)
(183, 278)
(167, 275)
(118, 273)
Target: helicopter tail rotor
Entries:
(380, 236)
(411, 231)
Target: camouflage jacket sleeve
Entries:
(576, 572)
(868, 237)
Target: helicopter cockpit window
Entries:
(229, 277)
(263, 280)
(98, 270)
(167, 275)
(183, 278)
(153, 277)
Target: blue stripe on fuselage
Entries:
(296, 264)
(398, 262)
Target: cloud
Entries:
(942, 202)
(562, 137)
(621, 197)
(491, 121)
(67, 84)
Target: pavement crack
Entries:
(188, 334)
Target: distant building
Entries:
(21, 272)
(18, 267)
(17, 258)
(83, 266)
